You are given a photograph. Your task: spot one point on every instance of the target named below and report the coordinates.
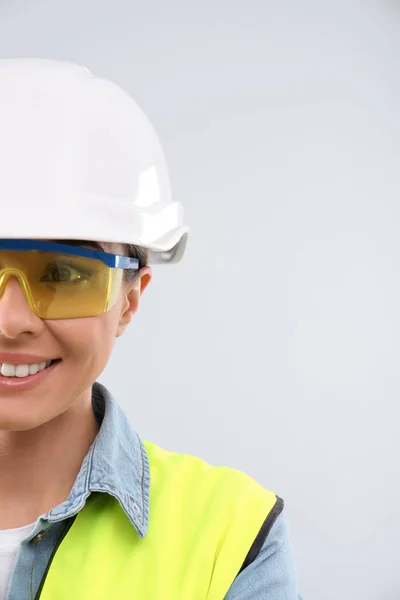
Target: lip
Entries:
(22, 359)
(19, 384)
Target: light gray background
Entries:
(274, 347)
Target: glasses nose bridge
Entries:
(5, 276)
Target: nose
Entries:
(16, 316)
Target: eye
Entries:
(61, 273)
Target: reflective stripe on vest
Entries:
(203, 521)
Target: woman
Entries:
(88, 509)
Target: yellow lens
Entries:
(61, 286)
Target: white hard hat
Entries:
(80, 160)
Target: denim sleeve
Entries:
(272, 575)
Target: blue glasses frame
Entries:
(115, 261)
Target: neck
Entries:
(38, 467)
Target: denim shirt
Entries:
(117, 464)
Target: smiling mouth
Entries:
(9, 371)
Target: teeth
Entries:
(23, 370)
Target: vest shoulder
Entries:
(195, 472)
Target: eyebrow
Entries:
(94, 245)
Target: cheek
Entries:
(88, 341)
(84, 345)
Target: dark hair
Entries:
(135, 252)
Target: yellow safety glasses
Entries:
(61, 281)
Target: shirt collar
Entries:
(116, 463)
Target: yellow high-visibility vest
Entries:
(203, 521)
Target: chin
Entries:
(20, 418)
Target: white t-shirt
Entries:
(10, 540)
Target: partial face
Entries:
(84, 346)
